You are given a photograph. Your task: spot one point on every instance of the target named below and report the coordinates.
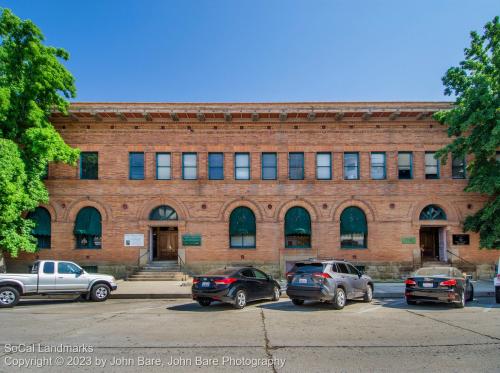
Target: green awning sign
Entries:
(412, 240)
(191, 239)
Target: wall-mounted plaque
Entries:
(461, 239)
(412, 240)
(133, 240)
(191, 239)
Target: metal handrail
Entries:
(141, 256)
(459, 257)
(181, 262)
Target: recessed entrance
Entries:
(165, 243)
(433, 244)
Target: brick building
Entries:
(264, 183)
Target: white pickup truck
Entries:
(54, 277)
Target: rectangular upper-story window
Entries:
(215, 166)
(377, 166)
(351, 166)
(296, 166)
(405, 165)
(163, 166)
(89, 165)
(323, 166)
(189, 166)
(431, 166)
(269, 166)
(242, 166)
(458, 167)
(136, 166)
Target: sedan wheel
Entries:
(298, 302)
(204, 302)
(9, 297)
(241, 299)
(340, 299)
(461, 304)
(276, 294)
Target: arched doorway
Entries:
(433, 245)
(164, 233)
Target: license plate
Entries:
(205, 284)
(302, 280)
(427, 284)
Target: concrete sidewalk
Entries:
(179, 289)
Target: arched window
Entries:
(88, 229)
(297, 228)
(42, 230)
(242, 229)
(432, 212)
(163, 212)
(353, 229)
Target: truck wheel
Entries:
(9, 297)
(340, 299)
(100, 292)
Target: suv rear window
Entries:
(308, 267)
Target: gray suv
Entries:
(331, 281)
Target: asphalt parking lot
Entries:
(179, 335)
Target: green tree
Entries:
(33, 83)
(474, 125)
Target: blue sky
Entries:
(259, 50)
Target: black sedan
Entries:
(439, 284)
(236, 285)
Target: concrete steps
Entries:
(160, 271)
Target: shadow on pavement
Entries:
(195, 307)
(483, 302)
(45, 302)
(311, 306)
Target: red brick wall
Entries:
(125, 204)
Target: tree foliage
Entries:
(33, 83)
(474, 125)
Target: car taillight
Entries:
(225, 281)
(195, 280)
(289, 276)
(321, 274)
(410, 282)
(451, 282)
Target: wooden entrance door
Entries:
(168, 244)
(429, 241)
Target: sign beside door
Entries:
(133, 240)
(191, 239)
(461, 239)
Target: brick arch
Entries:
(452, 214)
(145, 210)
(52, 211)
(75, 207)
(365, 207)
(282, 210)
(228, 208)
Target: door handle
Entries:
(60, 277)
